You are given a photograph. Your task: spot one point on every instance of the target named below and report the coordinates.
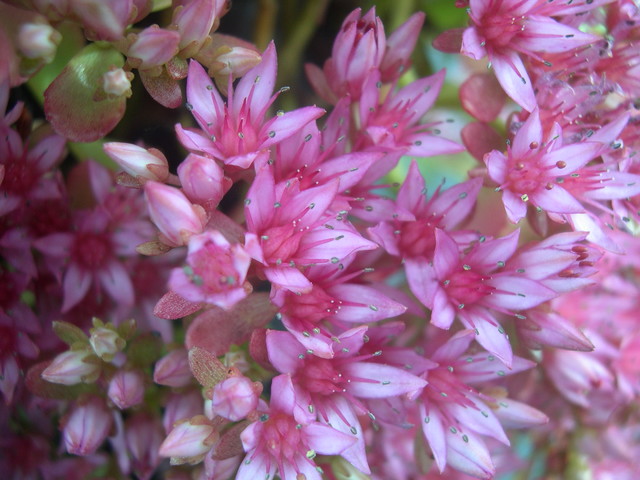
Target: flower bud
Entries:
(126, 388)
(191, 438)
(203, 180)
(174, 215)
(143, 436)
(152, 47)
(141, 163)
(235, 397)
(117, 83)
(173, 369)
(194, 20)
(181, 406)
(106, 342)
(38, 41)
(72, 367)
(86, 427)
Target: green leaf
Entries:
(70, 334)
(75, 103)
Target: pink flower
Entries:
(534, 169)
(290, 227)
(455, 416)
(215, 272)
(337, 387)
(237, 132)
(73, 367)
(203, 181)
(504, 30)
(287, 438)
(126, 388)
(444, 210)
(474, 285)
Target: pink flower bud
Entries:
(72, 367)
(106, 342)
(215, 272)
(181, 406)
(141, 163)
(194, 20)
(203, 180)
(117, 83)
(143, 435)
(188, 439)
(174, 215)
(235, 397)
(103, 20)
(126, 388)
(173, 369)
(87, 426)
(38, 40)
(152, 47)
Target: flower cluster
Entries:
(299, 298)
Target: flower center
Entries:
(466, 287)
(19, 177)
(418, 239)
(320, 376)
(92, 250)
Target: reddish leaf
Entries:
(163, 88)
(480, 138)
(482, 97)
(206, 367)
(172, 306)
(449, 41)
(230, 444)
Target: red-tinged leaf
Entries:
(163, 88)
(152, 248)
(481, 138)
(217, 329)
(206, 367)
(449, 41)
(258, 348)
(70, 103)
(482, 97)
(172, 307)
(230, 444)
(40, 387)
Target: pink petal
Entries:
(387, 381)
(288, 277)
(489, 333)
(515, 81)
(516, 293)
(203, 97)
(327, 440)
(76, 284)
(117, 282)
(434, 433)
(285, 125)
(556, 200)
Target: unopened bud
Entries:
(117, 83)
(181, 406)
(106, 342)
(152, 47)
(188, 439)
(235, 397)
(126, 388)
(141, 163)
(173, 369)
(73, 367)
(203, 180)
(86, 427)
(38, 41)
(174, 215)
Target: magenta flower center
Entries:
(213, 269)
(19, 177)
(418, 239)
(466, 287)
(320, 376)
(92, 250)
(281, 438)
(525, 174)
(498, 26)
